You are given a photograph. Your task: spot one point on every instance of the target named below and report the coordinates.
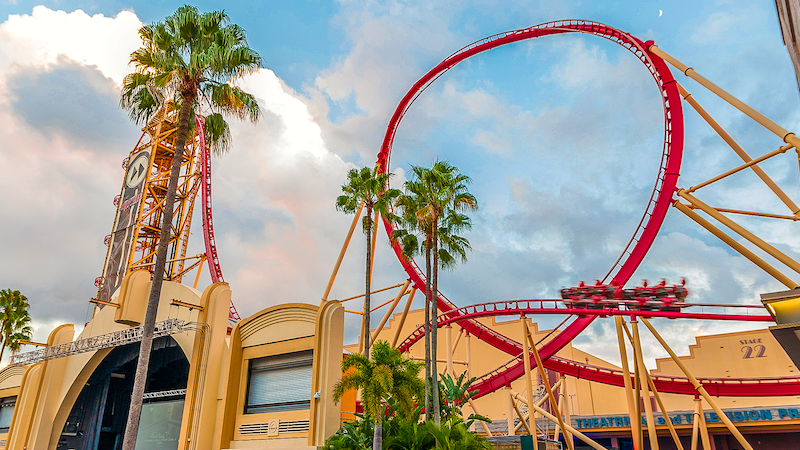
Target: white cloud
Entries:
(39, 38)
(277, 227)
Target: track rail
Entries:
(513, 369)
(208, 219)
(653, 217)
(719, 387)
(707, 311)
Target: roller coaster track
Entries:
(208, 220)
(622, 269)
(660, 199)
(513, 369)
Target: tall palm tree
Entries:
(409, 226)
(433, 207)
(387, 375)
(14, 320)
(189, 59)
(367, 187)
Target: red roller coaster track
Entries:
(621, 270)
(208, 220)
(659, 201)
(674, 385)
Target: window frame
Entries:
(8, 402)
(298, 405)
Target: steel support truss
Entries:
(688, 203)
(90, 344)
(163, 394)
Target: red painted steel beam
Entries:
(516, 308)
(208, 219)
(720, 387)
(666, 180)
(652, 220)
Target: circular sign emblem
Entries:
(137, 170)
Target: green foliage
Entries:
(370, 188)
(402, 433)
(191, 58)
(455, 393)
(387, 375)
(353, 435)
(433, 204)
(429, 217)
(407, 433)
(404, 430)
(14, 320)
(454, 434)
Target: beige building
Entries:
(266, 382)
(600, 410)
(208, 387)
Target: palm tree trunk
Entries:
(377, 437)
(4, 338)
(437, 411)
(428, 403)
(135, 410)
(367, 334)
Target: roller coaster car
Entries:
(597, 296)
(661, 297)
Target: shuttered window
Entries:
(279, 383)
(6, 411)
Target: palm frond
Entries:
(188, 54)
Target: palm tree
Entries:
(388, 375)
(367, 187)
(408, 227)
(14, 320)
(432, 208)
(188, 59)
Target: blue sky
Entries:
(561, 136)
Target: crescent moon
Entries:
(660, 12)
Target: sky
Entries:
(561, 136)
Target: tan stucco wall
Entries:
(723, 356)
(53, 386)
(277, 330)
(485, 358)
(712, 356)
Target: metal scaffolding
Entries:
(115, 339)
(163, 394)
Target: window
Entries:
(279, 383)
(6, 411)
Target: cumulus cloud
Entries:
(562, 180)
(73, 100)
(63, 141)
(279, 232)
(43, 36)
(64, 138)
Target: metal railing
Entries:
(162, 394)
(108, 340)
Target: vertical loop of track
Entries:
(633, 254)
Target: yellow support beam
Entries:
(761, 119)
(626, 378)
(699, 387)
(766, 267)
(341, 254)
(739, 151)
(546, 382)
(741, 231)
